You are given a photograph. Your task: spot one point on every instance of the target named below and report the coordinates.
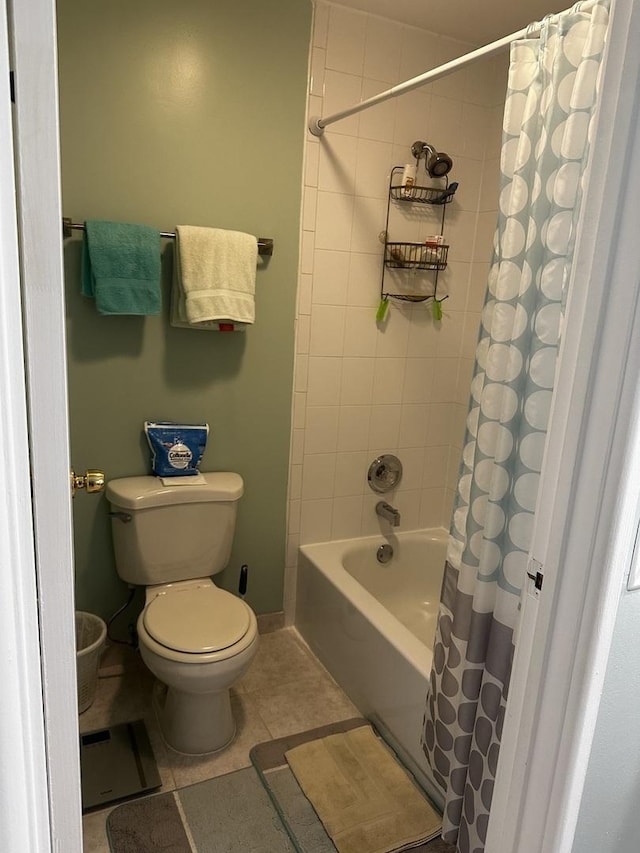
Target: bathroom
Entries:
(134, 369)
(357, 390)
(348, 376)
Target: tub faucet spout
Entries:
(385, 510)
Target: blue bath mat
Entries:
(233, 814)
(228, 814)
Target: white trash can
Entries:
(91, 634)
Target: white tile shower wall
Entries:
(363, 389)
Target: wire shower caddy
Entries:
(414, 256)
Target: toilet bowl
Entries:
(198, 659)
(196, 638)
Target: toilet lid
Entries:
(197, 619)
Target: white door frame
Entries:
(560, 665)
(32, 37)
(24, 816)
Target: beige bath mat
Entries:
(365, 800)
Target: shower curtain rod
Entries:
(317, 125)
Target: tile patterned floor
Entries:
(287, 690)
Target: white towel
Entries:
(177, 316)
(214, 276)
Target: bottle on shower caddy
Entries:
(408, 180)
(432, 252)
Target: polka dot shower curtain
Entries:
(548, 113)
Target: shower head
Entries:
(437, 163)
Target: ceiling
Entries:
(475, 21)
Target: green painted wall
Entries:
(184, 113)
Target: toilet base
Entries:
(194, 723)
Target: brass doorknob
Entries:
(91, 480)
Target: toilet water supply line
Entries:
(130, 642)
(317, 124)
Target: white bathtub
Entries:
(372, 626)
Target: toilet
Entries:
(196, 638)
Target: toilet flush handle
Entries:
(124, 517)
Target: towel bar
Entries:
(265, 244)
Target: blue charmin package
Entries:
(176, 449)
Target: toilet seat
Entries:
(197, 620)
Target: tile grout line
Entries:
(185, 823)
(256, 711)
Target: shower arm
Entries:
(317, 124)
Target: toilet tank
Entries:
(183, 531)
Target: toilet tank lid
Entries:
(146, 492)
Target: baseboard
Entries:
(268, 622)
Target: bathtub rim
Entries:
(404, 641)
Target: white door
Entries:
(33, 29)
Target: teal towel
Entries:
(121, 267)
